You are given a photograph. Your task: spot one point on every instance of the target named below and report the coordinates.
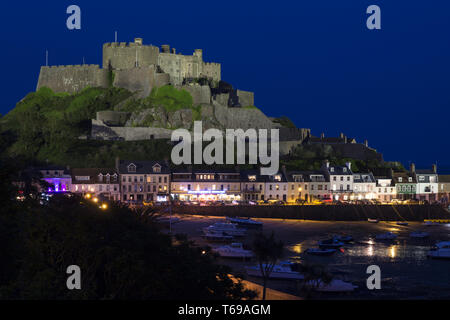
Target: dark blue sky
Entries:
(314, 61)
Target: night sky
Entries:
(313, 61)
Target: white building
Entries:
(341, 180)
(363, 186)
(385, 189)
(144, 181)
(205, 185)
(427, 184)
(98, 182)
(276, 187)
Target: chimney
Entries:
(322, 135)
(342, 135)
(366, 143)
(412, 167)
(345, 139)
(349, 165)
(434, 168)
(326, 163)
(174, 51)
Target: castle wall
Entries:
(72, 78)
(200, 94)
(174, 65)
(123, 56)
(241, 118)
(246, 98)
(140, 80)
(113, 118)
(103, 132)
(211, 70)
(161, 79)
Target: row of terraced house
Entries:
(155, 181)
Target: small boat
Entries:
(234, 250)
(217, 236)
(419, 234)
(373, 220)
(386, 236)
(402, 223)
(246, 222)
(229, 228)
(440, 251)
(332, 243)
(334, 285)
(345, 239)
(282, 270)
(320, 252)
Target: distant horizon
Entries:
(315, 63)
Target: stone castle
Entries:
(134, 66)
(140, 68)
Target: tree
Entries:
(121, 253)
(267, 251)
(315, 275)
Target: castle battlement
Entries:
(73, 66)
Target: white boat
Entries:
(373, 220)
(217, 236)
(386, 236)
(440, 251)
(419, 234)
(335, 285)
(320, 252)
(234, 250)
(282, 270)
(332, 243)
(229, 228)
(246, 222)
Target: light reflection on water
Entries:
(370, 248)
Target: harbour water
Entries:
(406, 272)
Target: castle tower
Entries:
(199, 53)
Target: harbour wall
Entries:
(323, 212)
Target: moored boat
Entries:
(320, 252)
(234, 250)
(419, 234)
(373, 220)
(345, 239)
(229, 228)
(282, 270)
(217, 236)
(245, 222)
(334, 285)
(332, 243)
(400, 223)
(386, 236)
(440, 251)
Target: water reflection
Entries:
(392, 251)
(297, 248)
(370, 250)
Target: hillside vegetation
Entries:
(44, 128)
